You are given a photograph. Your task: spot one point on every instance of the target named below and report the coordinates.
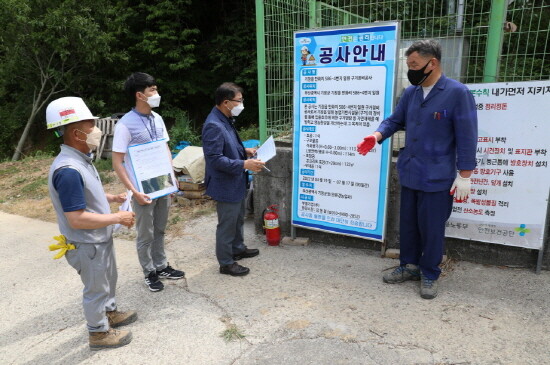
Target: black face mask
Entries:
(417, 77)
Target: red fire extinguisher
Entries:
(271, 226)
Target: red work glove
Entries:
(366, 145)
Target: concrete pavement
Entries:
(300, 305)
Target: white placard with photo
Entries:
(152, 165)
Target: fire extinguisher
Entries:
(271, 226)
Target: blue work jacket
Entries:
(441, 134)
(224, 154)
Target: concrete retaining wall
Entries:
(275, 187)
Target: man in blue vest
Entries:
(440, 119)
(143, 125)
(86, 222)
(227, 177)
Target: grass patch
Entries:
(36, 189)
(176, 219)
(232, 333)
(204, 210)
(104, 164)
(38, 155)
(106, 178)
(9, 170)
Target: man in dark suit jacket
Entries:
(227, 177)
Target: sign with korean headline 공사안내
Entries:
(510, 186)
(343, 89)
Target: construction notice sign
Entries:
(343, 89)
(509, 197)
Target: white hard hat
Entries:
(304, 48)
(67, 110)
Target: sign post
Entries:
(343, 88)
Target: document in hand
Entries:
(266, 151)
(127, 206)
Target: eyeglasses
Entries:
(238, 101)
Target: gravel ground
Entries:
(300, 305)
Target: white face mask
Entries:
(237, 110)
(154, 101)
(93, 138)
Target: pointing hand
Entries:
(366, 144)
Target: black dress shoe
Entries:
(248, 252)
(234, 270)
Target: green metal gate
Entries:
(483, 41)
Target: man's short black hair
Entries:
(425, 48)
(226, 91)
(138, 81)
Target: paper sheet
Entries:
(126, 206)
(266, 151)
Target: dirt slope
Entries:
(24, 191)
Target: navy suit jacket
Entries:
(224, 153)
(441, 134)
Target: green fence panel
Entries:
(463, 27)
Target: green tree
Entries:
(44, 48)
(226, 52)
(87, 48)
(190, 49)
(160, 39)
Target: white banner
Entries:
(510, 186)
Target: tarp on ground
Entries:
(190, 161)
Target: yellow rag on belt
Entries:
(61, 245)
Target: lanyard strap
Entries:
(153, 131)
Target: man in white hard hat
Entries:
(85, 220)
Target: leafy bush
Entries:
(182, 129)
(251, 132)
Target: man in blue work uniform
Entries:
(440, 119)
(226, 177)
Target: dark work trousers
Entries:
(422, 229)
(229, 232)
